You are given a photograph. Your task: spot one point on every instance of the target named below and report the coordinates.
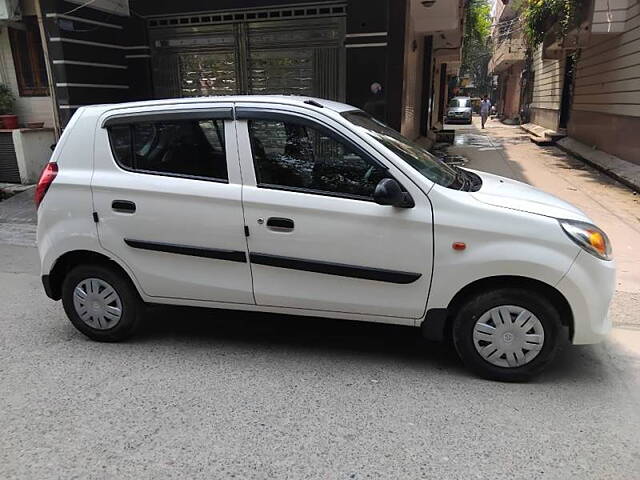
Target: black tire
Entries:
(465, 320)
(131, 303)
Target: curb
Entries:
(624, 172)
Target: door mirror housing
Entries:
(389, 192)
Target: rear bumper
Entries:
(588, 287)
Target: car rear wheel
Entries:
(101, 302)
(508, 334)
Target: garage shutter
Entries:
(8, 163)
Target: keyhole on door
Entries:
(260, 221)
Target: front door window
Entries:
(294, 156)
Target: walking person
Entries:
(485, 108)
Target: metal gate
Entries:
(250, 52)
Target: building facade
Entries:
(584, 86)
(389, 57)
(114, 50)
(605, 111)
(508, 60)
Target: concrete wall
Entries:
(611, 16)
(510, 101)
(606, 101)
(33, 150)
(436, 120)
(28, 109)
(412, 87)
(547, 91)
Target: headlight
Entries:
(589, 237)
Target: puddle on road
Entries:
(473, 140)
(485, 141)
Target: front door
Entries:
(317, 240)
(167, 193)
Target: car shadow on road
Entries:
(268, 331)
(308, 336)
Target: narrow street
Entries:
(217, 394)
(507, 151)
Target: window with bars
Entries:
(28, 58)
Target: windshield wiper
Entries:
(463, 178)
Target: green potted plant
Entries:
(7, 100)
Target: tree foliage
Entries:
(7, 100)
(476, 51)
(540, 15)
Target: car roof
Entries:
(292, 100)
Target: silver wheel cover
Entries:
(508, 336)
(97, 303)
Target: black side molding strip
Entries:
(216, 253)
(339, 269)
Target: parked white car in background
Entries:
(311, 207)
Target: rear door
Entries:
(317, 239)
(167, 192)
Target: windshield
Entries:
(460, 102)
(412, 153)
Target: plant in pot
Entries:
(8, 119)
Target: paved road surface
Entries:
(231, 395)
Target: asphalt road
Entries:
(202, 394)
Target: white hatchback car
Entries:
(311, 207)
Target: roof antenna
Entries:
(314, 103)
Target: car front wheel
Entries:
(101, 302)
(508, 334)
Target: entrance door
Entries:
(304, 56)
(567, 92)
(317, 239)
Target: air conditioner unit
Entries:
(10, 11)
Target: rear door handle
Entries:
(123, 206)
(280, 224)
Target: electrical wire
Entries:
(89, 2)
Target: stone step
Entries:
(541, 141)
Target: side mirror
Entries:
(388, 192)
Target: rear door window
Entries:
(190, 148)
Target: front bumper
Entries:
(588, 286)
(458, 119)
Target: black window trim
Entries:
(274, 115)
(167, 116)
(153, 172)
(324, 193)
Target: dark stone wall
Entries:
(129, 47)
(614, 134)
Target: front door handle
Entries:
(123, 206)
(280, 224)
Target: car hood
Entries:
(504, 192)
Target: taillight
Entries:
(46, 177)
